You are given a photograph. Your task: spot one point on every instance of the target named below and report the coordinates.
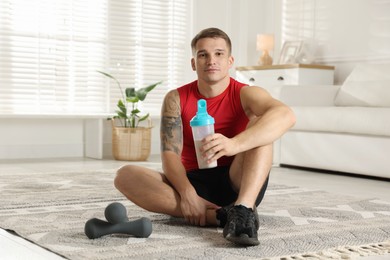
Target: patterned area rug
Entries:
(51, 209)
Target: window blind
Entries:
(299, 19)
(50, 51)
(342, 31)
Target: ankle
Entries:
(245, 205)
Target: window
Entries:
(342, 31)
(50, 51)
(299, 19)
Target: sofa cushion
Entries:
(351, 120)
(367, 85)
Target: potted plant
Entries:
(130, 141)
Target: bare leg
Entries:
(151, 191)
(249, 172)
(148, 189)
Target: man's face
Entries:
(212, 59)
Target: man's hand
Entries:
(194, 208)
(217, 145)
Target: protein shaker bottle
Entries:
(202, 125)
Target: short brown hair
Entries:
(211, 33)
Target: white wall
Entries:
(353, 31)
(347, 31)
(242, 20)
(24, 137)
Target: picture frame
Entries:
(289, 52)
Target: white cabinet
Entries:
(288, 74)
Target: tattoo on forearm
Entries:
(171, 125)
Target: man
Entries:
(247, 122)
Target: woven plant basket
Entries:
(131, 144)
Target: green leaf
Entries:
(143, 118)
(121, 114)
(151, 87)
(132, 99)
(131, 95)
(121, 106)
(135, 111)
(120, 103)
(142, 92)
(107, 75)
(130, 92)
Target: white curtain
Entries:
(50, 51)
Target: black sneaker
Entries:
(222, 215)
(242, 225)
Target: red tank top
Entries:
(226, 108)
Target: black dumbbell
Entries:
(95, 228)
(116, 213)
(118, 223)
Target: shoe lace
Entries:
(244, 219)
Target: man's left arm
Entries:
(269, 117)
(272, 118)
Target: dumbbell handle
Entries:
(95, 228)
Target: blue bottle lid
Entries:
(202, 118)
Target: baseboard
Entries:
(350, 174)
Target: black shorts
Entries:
(214, 185)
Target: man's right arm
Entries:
(192, 206)
(171, 134)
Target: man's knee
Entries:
(123, 175)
